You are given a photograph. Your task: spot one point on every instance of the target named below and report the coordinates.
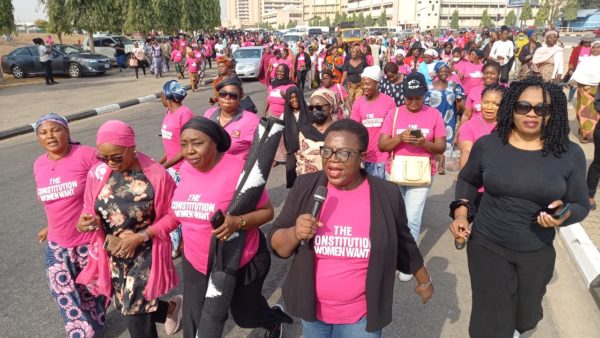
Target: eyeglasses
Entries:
(113, 158)
(317, 106)
(524, 107)
(341, 155)
(229, 95)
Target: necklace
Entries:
(354, 184)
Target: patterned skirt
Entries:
(587, 116)
(82, 313)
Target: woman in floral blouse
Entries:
(131, 260)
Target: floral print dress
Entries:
(445, 102)
(125, 204)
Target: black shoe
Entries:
(54, 82)
(49, 83)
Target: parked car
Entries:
(66, 59)
(248, 62)
(105, 45)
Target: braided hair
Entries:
(494, 87)
(555, 129)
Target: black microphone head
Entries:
(321, 193)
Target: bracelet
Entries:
(145, 235)
(424, 285)
(462, 203)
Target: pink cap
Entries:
(117, 133)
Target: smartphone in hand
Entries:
(416, 133)
(217, 219)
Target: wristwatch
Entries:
(242, 222)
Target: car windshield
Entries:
(353, 33)
(67, 49)
(288, 38)
(123, 39)
(241, 53)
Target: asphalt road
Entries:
(27, 310)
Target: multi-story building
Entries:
(242, 13)
(323, 8)
(284, 15)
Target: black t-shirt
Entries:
(518, 184)
(354, 72)
(119, 49)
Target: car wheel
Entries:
(74, 70)
(17, 72)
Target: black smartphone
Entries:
(416, 133)
(562, 212)
(217, 219)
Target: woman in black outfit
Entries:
(353, 67)
(593, 175)
(527, 167)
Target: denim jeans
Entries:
(376, 169)
(319, 329)
(414, 202)
(175, 234)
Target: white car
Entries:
(105, 45)
(247, 61)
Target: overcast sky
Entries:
(29, 10)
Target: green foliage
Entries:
(281, 26)
(486, 21)
(292, 24)
(369, 21)
(526, 12)
(360, 21)
(7, 18)
(40, 23)
(326, 22)
(382, 19)
(511, 19)
(167, 15)
(93, 15)
(454, 21)
(337, 19)
(543, 14)
(139, 17)
(60, 18)
(315, 21)
(588, 4)
(570, 10)
(202, 15)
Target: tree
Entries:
(570, 10)
(588, 4)
(41, 23)
(511, 19)
(543, 14)
(382, 20)
(486, 21)
(93, 16)
(369, 21)
(281, 26)
(169, 13)
(204, 15)
(315, 21)
(326, 22)
(337, 19)
(526, 13)
(60, 19)
(292, 24)
(454, 21)
(139, 17)
(360, 21)
(7, 18)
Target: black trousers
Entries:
(141, 64)
(48, 71)
(593, 175)
(209, 59)
(507, 287)
(144, 325)
(505, 70)
(301, 75)
(249, 307)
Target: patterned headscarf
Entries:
(174, 91)
(329, 96)
(54, 117)
(439, 66)
(550, 32)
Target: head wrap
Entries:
(212, 129)
(439, 66)
(480, 53)
(174, 91)
(400, 51)
(226, 61)
(595, 43)
(372, 72)
(588, 37)
(117, 133)
(230, 81)
(53, 117)
(550, 32)
(431, 52)
(286, 77)
(328, 95)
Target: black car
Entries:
(66, 59)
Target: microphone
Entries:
(319, 196)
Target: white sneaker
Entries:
(516, 334)
(405, 277)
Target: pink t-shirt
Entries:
(192, 65)
(276, 62)
(241, 130)
(195, 201)
(342, 250)
(475, 128)
(369, 59)
(474, 100)
(301, 61)
(372, 114)
(276, 99)
(472, 77)
(429, 120)
(171, 130)
(182, 44)
(176, 55)
(60, 186)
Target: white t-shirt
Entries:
(43, 50)
(502, 48)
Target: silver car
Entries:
(248, 62)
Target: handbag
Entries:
(133, 61)
(343, 105)
(411, 171)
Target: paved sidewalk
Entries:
(22, 105)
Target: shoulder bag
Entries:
(411, 171)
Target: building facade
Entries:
(284, 15)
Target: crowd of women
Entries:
(375, 139)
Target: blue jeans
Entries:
(175, 234)
(376, 169)
(319, 329)
(121, 61)
(414, 202)
(572, 91)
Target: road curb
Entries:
(586, 256)
(28, 128)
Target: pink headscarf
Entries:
(117, 133)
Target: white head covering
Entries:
(431, 52)
(587, 72)
(372, 72)
(400, 52)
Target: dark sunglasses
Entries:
(113, 158)
(341, 155)
(229, 95)
(317, 106)
(524, 107)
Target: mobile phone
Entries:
(562, 212)
(217, 219)
(416, 133)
